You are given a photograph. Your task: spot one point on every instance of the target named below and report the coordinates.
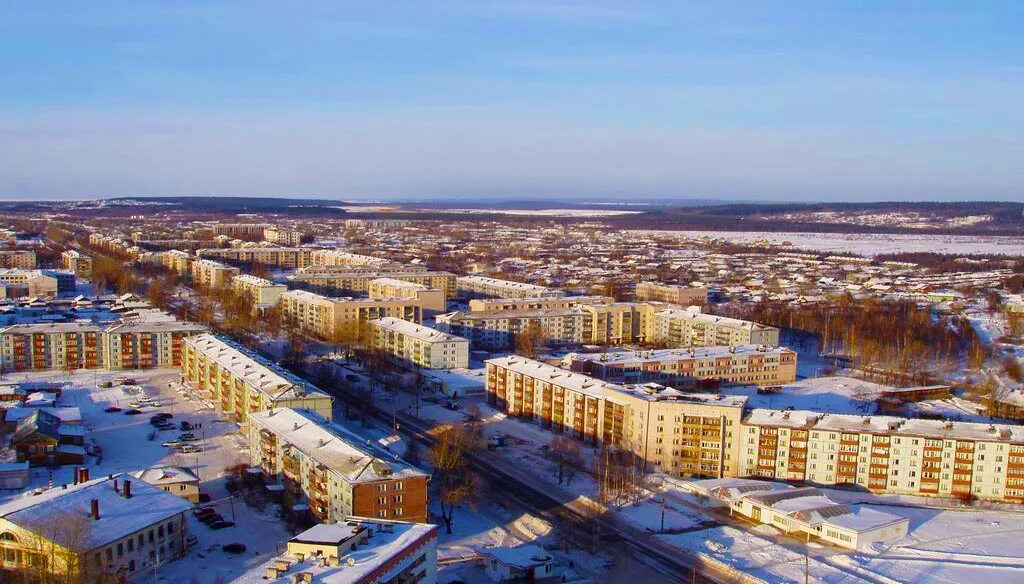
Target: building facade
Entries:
(342, 319)
(336, 477)
(688, 327)
(431, 299)
(418, 345)
(211, 274)
(22, 259)
(78, 263)
(671, 293)
(746, 364)
(240, 382)
(262, 293)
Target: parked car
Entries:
(186, 426)
(200, 511)
(112, 409)
(132, 412)
(234, 548)
(208, 519)
(189, 449)
(221, 524)
(105, 384)
(172, 444)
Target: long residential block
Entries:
(709, 435)
(482, 286)
(746, 364)
(239, 382)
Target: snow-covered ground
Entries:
(868, 244)
(126, 447)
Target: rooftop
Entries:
(637, 357)
(119, 516)
(417, 331)
(310, 434)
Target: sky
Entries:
(474, 100)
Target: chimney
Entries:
(116, 487)
(127, 490)
(75, 475)
(84, 472)
(94, 505)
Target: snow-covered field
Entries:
(839, 395)
(868, 244)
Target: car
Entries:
(221, 524)
(160, 416)
(189, 449)
(132, 412)
(200, 511)
(172, 444)
(165, 426)
(112, 410)
(105, 384)
(188, 438)
(234, 548)
(208, 519)
(126, 380)
(185, 425)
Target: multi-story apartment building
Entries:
(886, 454)
(342, 319)
(240, 382)
(282, 236)
(418, 345)
(671, 293)
(376, 223)
(78, 263)
(716, 436)
(212, 274)
(248, 231)
(283, 257)
(178, 261)
(746, 364)
(60, 346)
(677, 433)
(485, 304)
(262, 293)
(336, 476)
(147, 345)
(431, 299)
(358, 282)
(688, 327)
(498, 329)
(482, 286)
(337, 257)
(22, 259)
(125, 527)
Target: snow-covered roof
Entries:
(597, 388)
(936, 429)
(311, 435)
(416, 331)
(257, 371)
(119, 516)
(382, 557)
(166, 475)
(668, 355)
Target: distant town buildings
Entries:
(671, 293)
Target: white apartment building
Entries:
(418, 345)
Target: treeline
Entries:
(879, 336)
(949, 263)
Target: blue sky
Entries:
(793, 101)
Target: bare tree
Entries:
(457, 483)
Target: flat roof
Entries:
(416, 331)
(663, 355)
